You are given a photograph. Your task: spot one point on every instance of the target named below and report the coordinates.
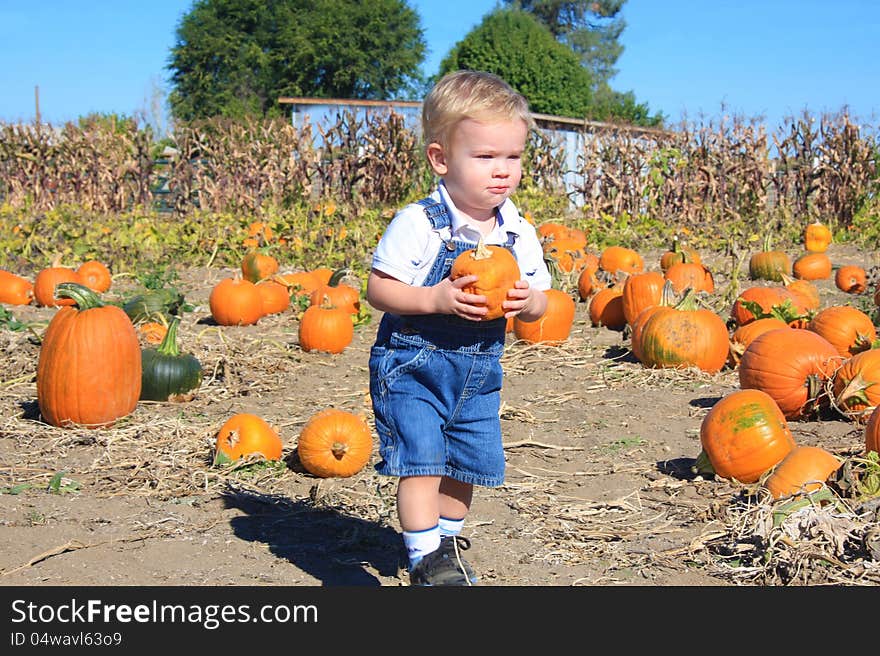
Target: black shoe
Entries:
(445, 566)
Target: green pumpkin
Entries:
(165, 372)
(166, 302)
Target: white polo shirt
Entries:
(410, 244)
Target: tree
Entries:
(515, 46)
(237, 57)
(589, 27)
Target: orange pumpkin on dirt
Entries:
(805, 469)
(792, 365)
(851, 279)
(245, 434)
(325, 327)
(334, 444)
(812, 266)
(743, 436)
(848, 329)
(15, 290)
(89, 369)
(342, 295)
(235, 302)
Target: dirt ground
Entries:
(599, 488)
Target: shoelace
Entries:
(458, 558)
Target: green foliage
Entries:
(9, 322)
(539, 205)
(642, 231)
(513, 45)
(61, 484)
(865, 227)
(237, 57)
(614, 106)
(590, 28)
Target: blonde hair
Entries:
(470, 94)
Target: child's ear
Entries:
(437, 158)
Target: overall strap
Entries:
(436, 212)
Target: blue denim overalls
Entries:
(435, 383)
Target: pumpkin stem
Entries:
(689, 301)
(169, 342)
(84, 297)
(481, 251)
(337, 276)
(339, 450)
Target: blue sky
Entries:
(691, 59)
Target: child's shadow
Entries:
(326, 543)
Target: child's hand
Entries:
(449, 298)
(523, 299)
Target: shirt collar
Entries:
(507, 214)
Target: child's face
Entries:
(481, 165)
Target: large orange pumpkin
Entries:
(685, 335)
(743, 436)
(554, 326)
(689, 274)
(334, 443)
(792, 366)
(765, 300)
(848, 329)
(89, 369)
(805, 469)
(244, 434)
(496, 270)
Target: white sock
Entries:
(421, 543)
(450, 526)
